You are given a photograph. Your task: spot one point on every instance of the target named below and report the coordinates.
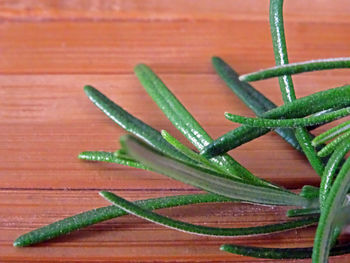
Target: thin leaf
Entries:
(329, 213)
(296, 68)
(296, 122)
(190, 153)
(208, 180)
(187, 125)
(331, 169)
(251, 97)
(330, 147)
(94, 216)
(335, 98)
(303, 212)
(132, 124)
(100, 156)
(331, 133)
(198, 229)
(280, 253)
(309, 191)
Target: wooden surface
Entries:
(50, 49)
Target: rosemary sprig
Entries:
(336, 98)
(187, 125)
(251, 97)
(222, 175)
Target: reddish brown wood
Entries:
(50, 49)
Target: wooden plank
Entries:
(127, 238)
(171, 47)
(50, 49)
(296, 10)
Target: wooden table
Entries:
(50, 49)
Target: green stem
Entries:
(286, 82)
(280, 48)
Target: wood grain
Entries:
(51, 49)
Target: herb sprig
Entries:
(216, 172)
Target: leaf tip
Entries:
(224, 247)
(82, 156)
(20, 242)
(139, 67)
(104, 194)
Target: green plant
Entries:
(216, 172)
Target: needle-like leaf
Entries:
(330, 147)
(251, 97)
(336, 98)
(100, 156)
(331, 169)
(280, 253)
(190, 153)
(131, 123)
(296, 122)
(94, 216)
(187, 124)
(208, 180)
(296, 68)
(331, 133)
(203, 230)
(329, 213)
